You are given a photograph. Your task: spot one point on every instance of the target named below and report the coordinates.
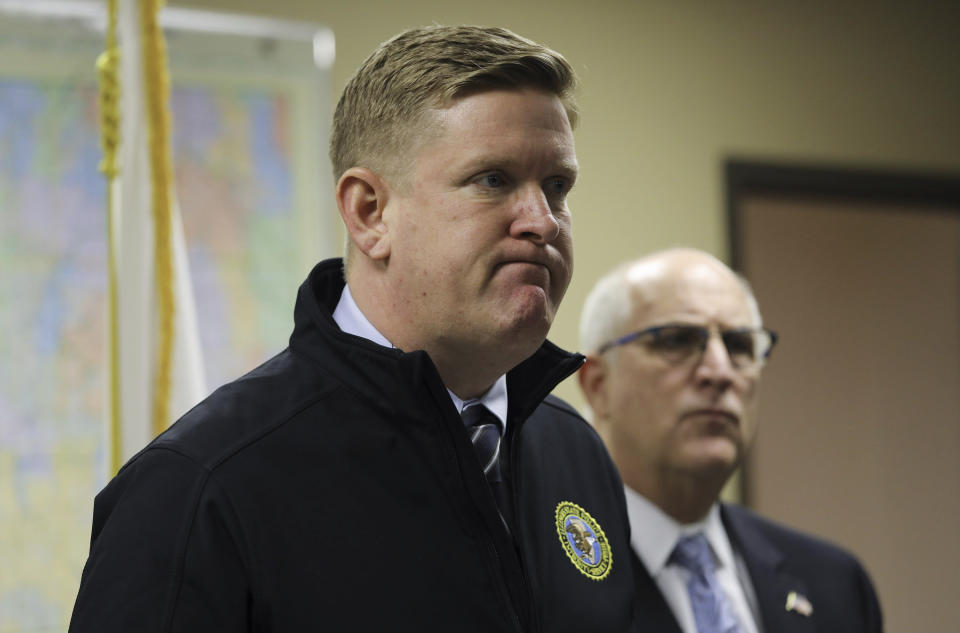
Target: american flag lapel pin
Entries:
(799, 603)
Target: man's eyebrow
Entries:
(564, 166)
(487, 163)
(570, 166)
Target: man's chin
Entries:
(716, 457)
(529, 314)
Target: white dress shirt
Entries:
(653, 537)
(351, 320)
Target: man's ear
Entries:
(593, 377)
(361, 198)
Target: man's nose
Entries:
(715, 363)
(535, 220)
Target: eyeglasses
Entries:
(748, 348)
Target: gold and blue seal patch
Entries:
(584, 541)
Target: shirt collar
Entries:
(717, 536)
(495, 399)
(350, 319)
(654, 534)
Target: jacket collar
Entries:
(772, 578)
(394, 379)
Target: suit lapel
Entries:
(651, 614)
(772, 581)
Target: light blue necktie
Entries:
(712, 611)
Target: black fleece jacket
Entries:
(334, 488)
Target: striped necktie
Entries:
(485, 431)
(712, 610)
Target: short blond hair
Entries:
(384, 104)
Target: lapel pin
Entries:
(799, 603)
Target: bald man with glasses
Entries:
(675, 349)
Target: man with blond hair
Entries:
(675, 348)
(401, 466)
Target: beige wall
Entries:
(671, 88)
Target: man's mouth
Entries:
(715, 414)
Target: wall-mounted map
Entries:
(252, 182)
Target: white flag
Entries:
(146, 317)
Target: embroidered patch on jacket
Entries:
(583, 540)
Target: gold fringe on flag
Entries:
(157, 89)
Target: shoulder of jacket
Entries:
(792, 542)
(559, 405)
(556, 413)
(238, 415)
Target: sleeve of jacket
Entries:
(164, 553)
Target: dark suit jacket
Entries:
(779, 561)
